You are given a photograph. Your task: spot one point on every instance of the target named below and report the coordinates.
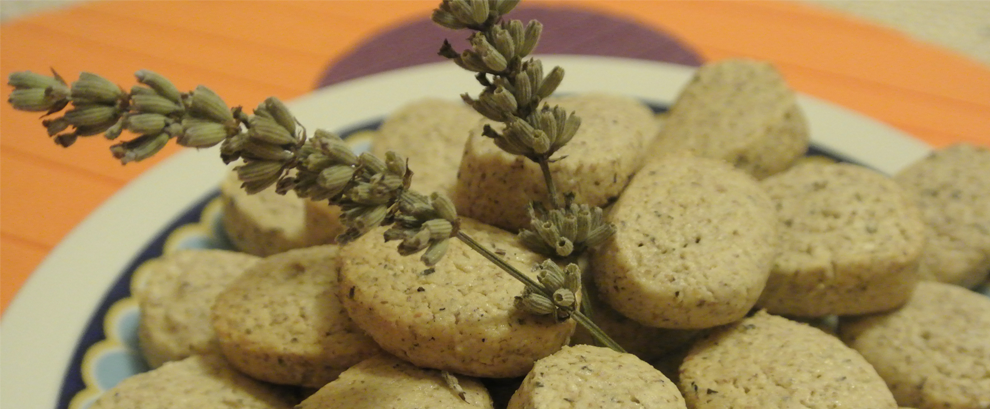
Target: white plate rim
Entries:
(42, 325)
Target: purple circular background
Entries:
(566, 31)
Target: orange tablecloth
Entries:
(247, 51)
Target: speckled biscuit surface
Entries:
(282, 322)
(459, 316)
(268, 223)
(386, 382)
(593, 377)
(934, 352)
(647, 343)
(430, 133)
(850, 242)
(495, 187)
(740, 111)
(194, 382)
(693, 245)
(175, 296)
(952, 188)
(768, 362)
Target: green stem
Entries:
(586, 322)
(548, 178)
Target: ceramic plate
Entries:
(70, 331)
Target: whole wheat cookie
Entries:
(693, 246)
(934, 352)
(952, 188)
(495, 187)
(267, 223)
(590, 377)
(431, 134)
(194, 382)
(457, 316)
(282, 321)
(175, 295)
(850, 242)
(386, 382)
(768, 362)
(740, 111)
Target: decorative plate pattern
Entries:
(117, 356)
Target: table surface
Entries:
(246, 51)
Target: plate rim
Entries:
(60, 296)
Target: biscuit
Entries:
(386, 382)
(430, 133)
(768, 362)
(495, 187)
(934, 352)
(194, 382)
(590, 377)
(693, 246)
(175, 296)
(457, 316)
(740, 111)
(281, 321)
(952, 188)
(647, 343)
(850, 242)
(268, 223)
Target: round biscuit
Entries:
(282, 321)
(850, 242)
(267, 223)
(740, 111)
(457, 316)
(591, 377)
(769, 362)
(934, 352)
(495, 187)
(694, 241)
(431, 134)
(194, 382)
(647, 343)
(175, 298)
(384, 381)
(952, 188)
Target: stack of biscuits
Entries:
(740, 275)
